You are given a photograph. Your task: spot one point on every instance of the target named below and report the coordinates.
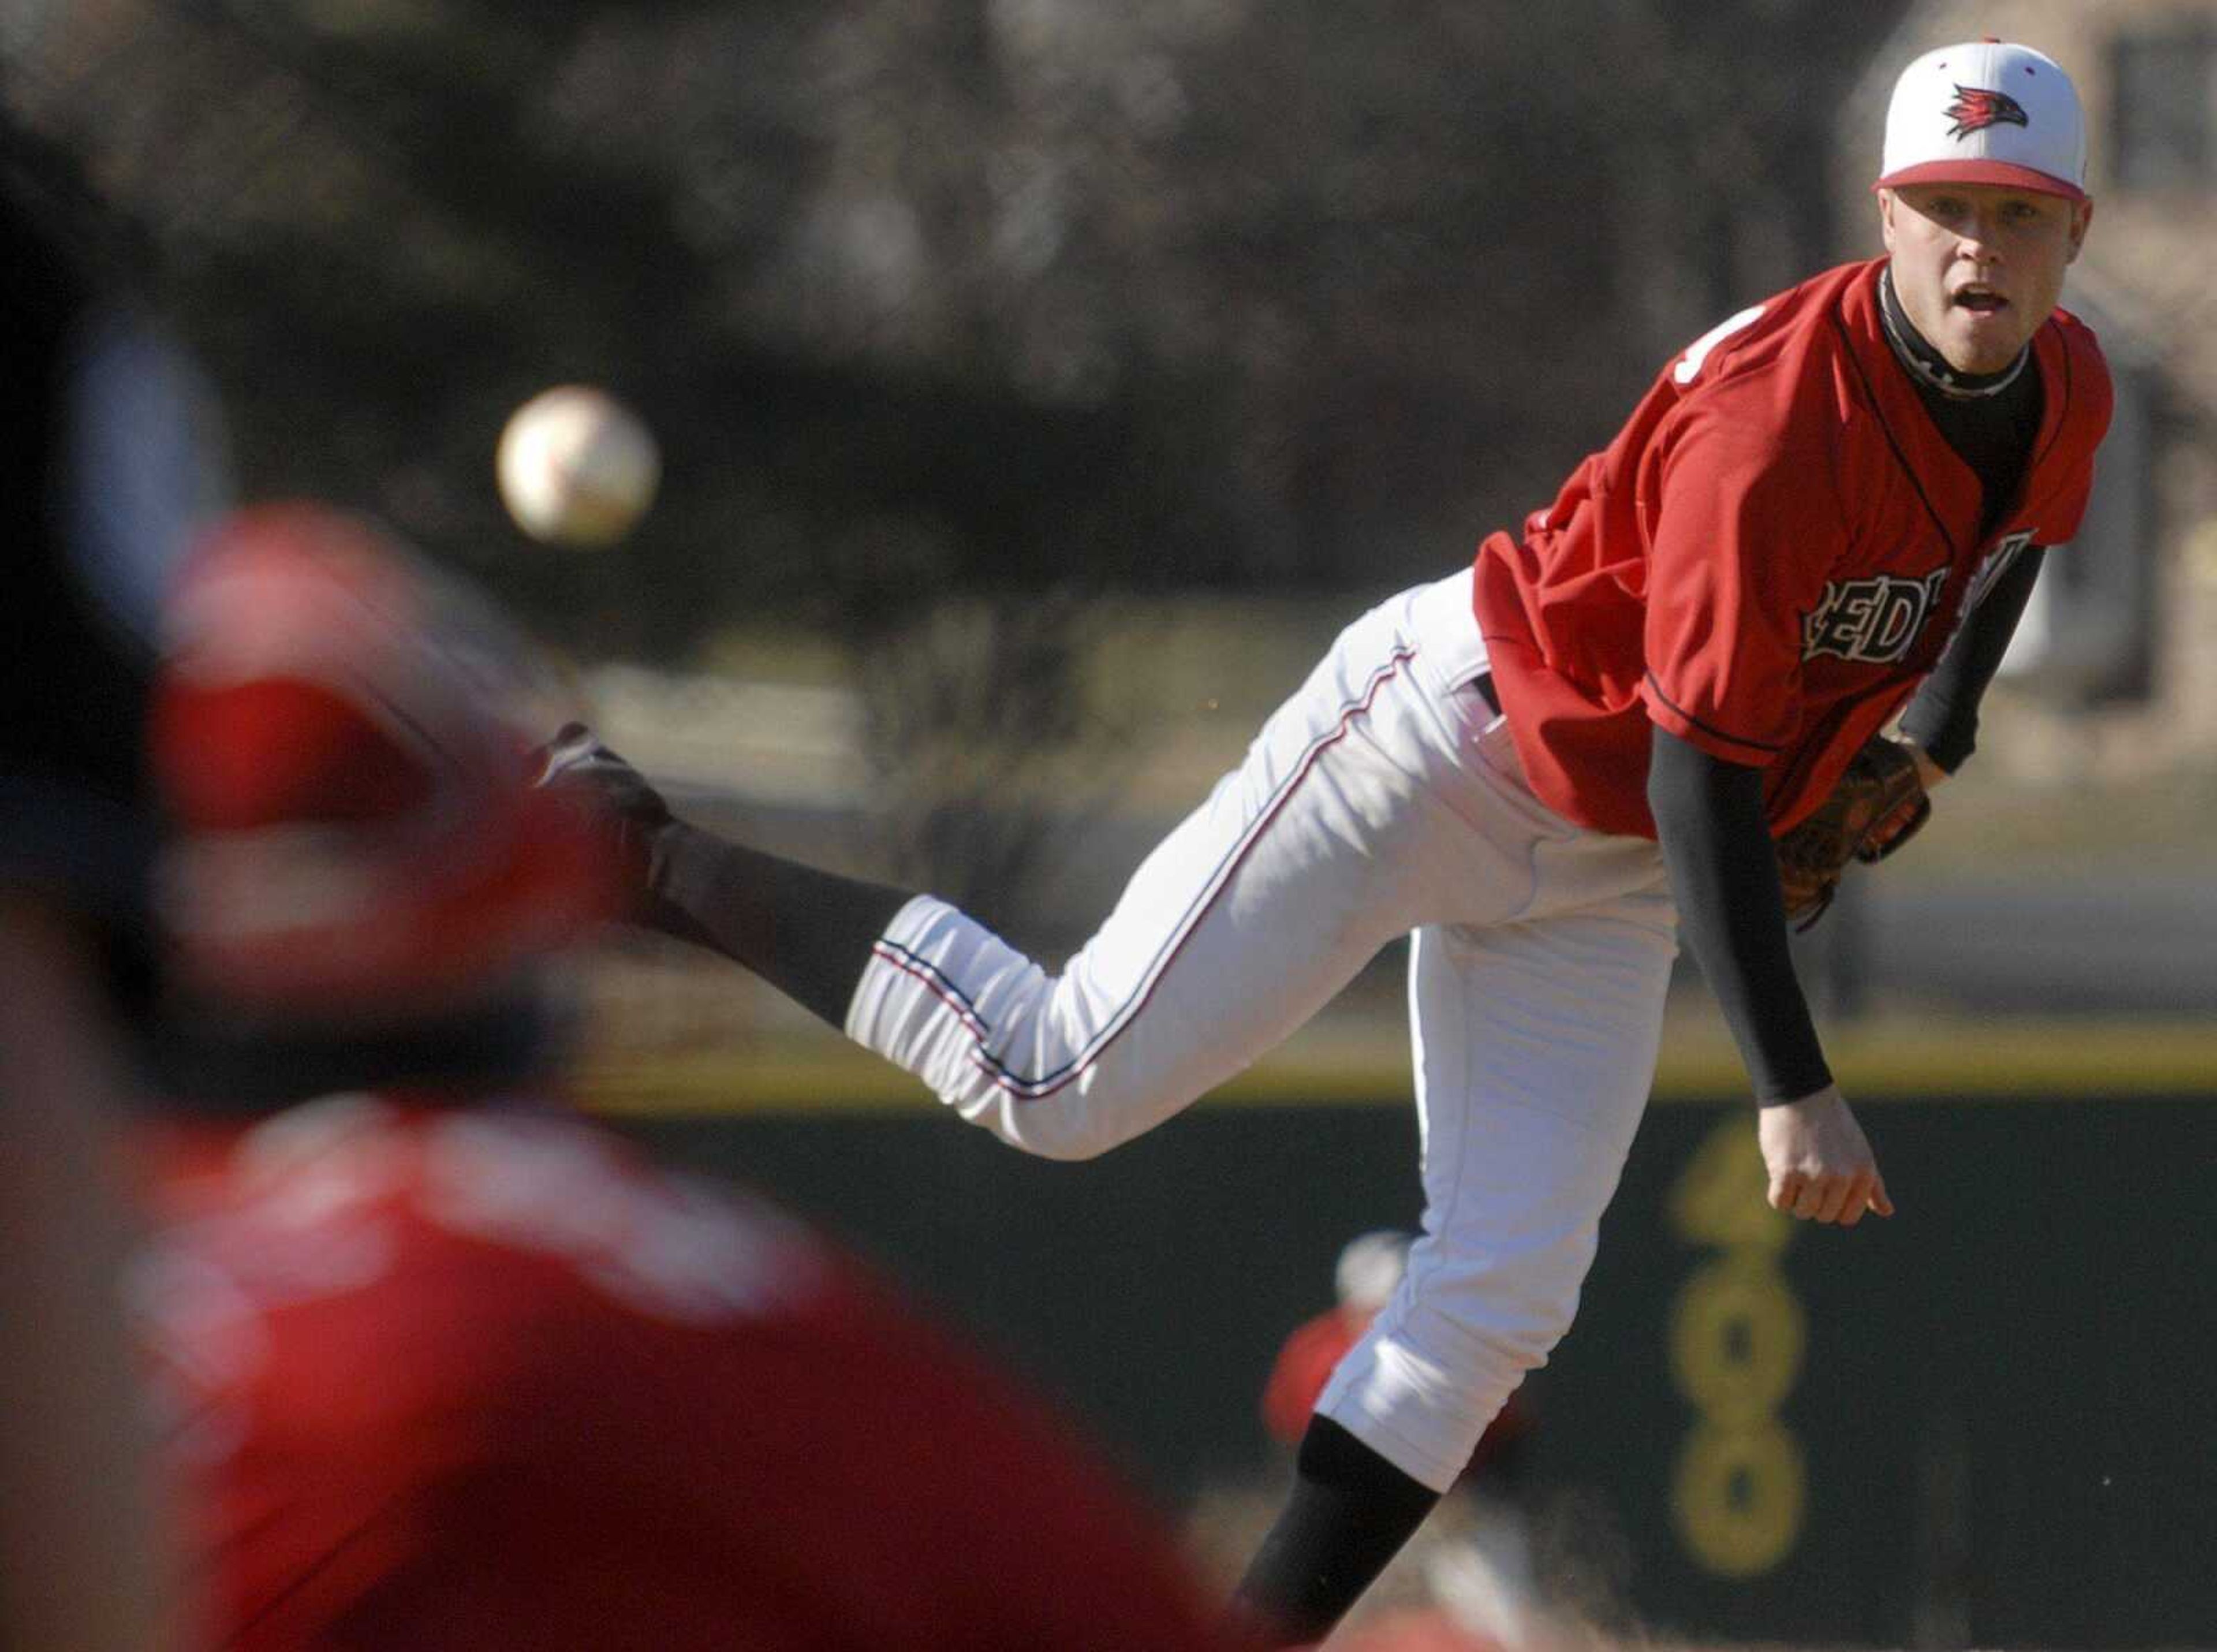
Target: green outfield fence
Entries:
(1984, 1422)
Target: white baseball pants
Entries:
(1384, 797)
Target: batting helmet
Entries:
(337, 733)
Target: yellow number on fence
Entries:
(1737, 1497)
(1735, 1340)
(1719, 1197)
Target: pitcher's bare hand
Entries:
(1821, 1166)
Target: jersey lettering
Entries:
(1873, 620)
(1690, 365)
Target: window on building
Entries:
(2163, 106)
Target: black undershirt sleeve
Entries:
(808, 933)
(1724, 874)
(1943, 717)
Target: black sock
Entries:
(807, 933)
(1348, 1514)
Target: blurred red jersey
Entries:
(1770, 557)
(448, 1379)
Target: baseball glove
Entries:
(1877, 804)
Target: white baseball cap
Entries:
(1986, 112)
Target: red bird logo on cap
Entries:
(1976, 109)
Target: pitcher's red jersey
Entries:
(1768, 559)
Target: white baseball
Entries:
(576, 466)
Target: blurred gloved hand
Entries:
(577, 761)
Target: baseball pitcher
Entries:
(1659, 711)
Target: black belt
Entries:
(1483, 683)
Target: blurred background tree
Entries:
(952, 296)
